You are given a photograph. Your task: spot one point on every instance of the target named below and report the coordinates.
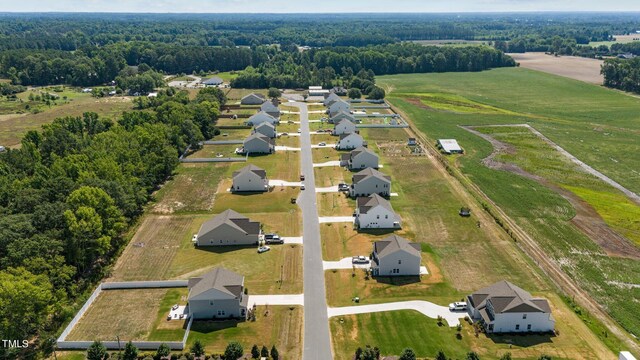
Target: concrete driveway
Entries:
(292, 299)
(274, 182)
(335, 219)
(330, 189)
(328, 163)
(292, 239)
(323, 146)
(344, 264)
(425, 307)
(286, 148)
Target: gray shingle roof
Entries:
(220, 279)
(506, 297)
(393, 243)
(259, 136)
(266, 123)
(369, 172)
(366, 203)
(251, 168)
(233, 219)
(262, 114)
(357, 151)
(269, 107)
(213, 81)
(260, 96)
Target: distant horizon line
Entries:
(337, 13)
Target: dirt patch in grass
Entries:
(192, 189)
(128, 314)
(586, 219)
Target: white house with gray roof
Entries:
(252, 99)
(395, 256)
(344, 126)
(360, 158)
(266, 129)
(337, 107)
(370, 181)
(213, 81)
(261, 117)
(343, 115)
(218, 294)
(271, 109)
(330, 99)
(257, 143)
(350, 141)
(228, 228)
(250, 179)
(505, 308)
(375, 212)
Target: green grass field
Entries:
(597, 125)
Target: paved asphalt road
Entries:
(317, 343)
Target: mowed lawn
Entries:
(597, 125)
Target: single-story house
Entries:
(350, 141)
(252, 99)
(317, 91)
(265, 128)
(338, 90)
(343, 115)
(261, 117)
(250, 178)
(217, 294)
(228, 228)
(344, 126)
(360, 158)
(395, 256)
(330, 99)
(214, 81)
(370, 181)
(375, 212)
(338, 106)
(506, 308)
(257, 143)
(449, 146)
(270, 108)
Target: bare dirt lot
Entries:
(583, 69)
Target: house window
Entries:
(386, 216)
(399, 262)
(211, 303)
(529, 327)
(377, 216)
(524, 316)
(518, 327)
(220, 312)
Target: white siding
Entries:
(376, 218)
(400, 263)
(515, 322)
(249, 182)
(370, 186)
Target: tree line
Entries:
(69, 193)
(622, 74)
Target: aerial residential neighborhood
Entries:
(241, 180)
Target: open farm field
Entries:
(573, 67)
(589, 122)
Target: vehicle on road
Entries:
(301, 177)
(302, 187)
(458, 306)
(263, 249)
(360, 260)
(322, 144)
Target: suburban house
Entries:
(343, 115)
(449, 146)
(330, 99)
(214, 81)
(360, 158)
(228, 228)
(344, 126)
(350, 141)
(338, 106)
(217, 294)
(506, 308)
(257, 143)
(375, 212)
(271, 109)
(395, 256)
(317, 91)
(261, 117)
(252, 99)
(265, 128)
(338, 90)
(250, 178)
(370, 181)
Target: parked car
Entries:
(301, 177)
(263, 249)
(299, 130)
(284, 134)
(458, 306)
(322, 144)
(273, 239)
(302, 187)
(174, 307)
(360, 260)
(343, 187)
(290, 122)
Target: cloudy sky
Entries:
(288, 6)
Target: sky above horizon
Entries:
(323, 6)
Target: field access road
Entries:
(317, 343)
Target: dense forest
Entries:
(70, 191)
(622, 74)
